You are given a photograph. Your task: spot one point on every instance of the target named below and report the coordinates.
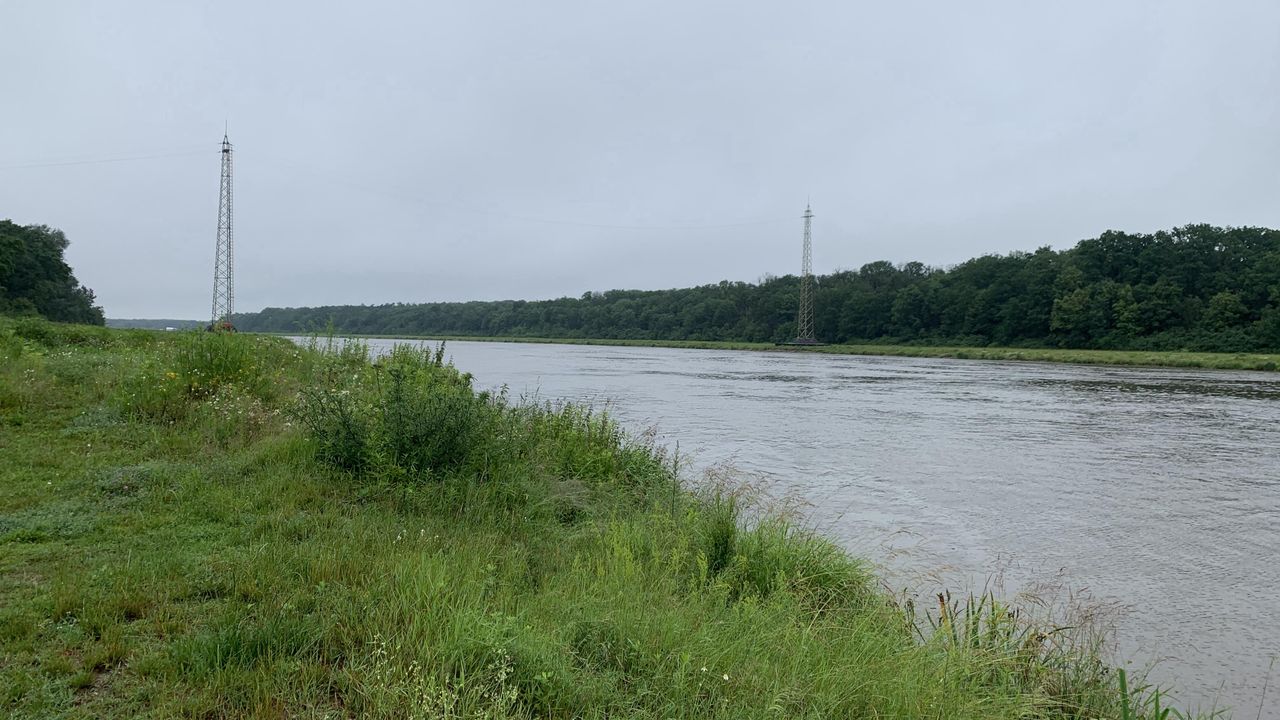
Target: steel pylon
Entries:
(804, 318)
(224, 257)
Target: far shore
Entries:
(1269, 362)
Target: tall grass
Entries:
(387, 543)
(194, 366)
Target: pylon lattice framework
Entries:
(804, 318)
(224, 258)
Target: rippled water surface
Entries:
(1157, 490)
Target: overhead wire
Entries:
(185, 151)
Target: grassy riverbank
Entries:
(1215, 361)
(197, 525)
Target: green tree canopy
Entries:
(35, 278)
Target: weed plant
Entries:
(279, 531)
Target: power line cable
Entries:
(188, 152)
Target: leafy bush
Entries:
(408, 415)
(341, 430)
(428, 414)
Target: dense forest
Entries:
(36, 280)
(1196, 287)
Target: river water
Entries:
(1151, 493)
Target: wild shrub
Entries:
(407, 416)
(338, 422)
(428, 415)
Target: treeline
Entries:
(36, 280)
(1196, 288)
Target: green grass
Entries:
(1176, 359)
(201, 525)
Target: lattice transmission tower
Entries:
(804, 318)
(224, 258)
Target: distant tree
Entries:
(35, 278)
(1125, 314)
(1268, 326)
(910, 311)
(1076, 318)
(1225, 310)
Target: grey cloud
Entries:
(450, 151)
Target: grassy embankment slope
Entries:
(197, 525)
(1215, 361)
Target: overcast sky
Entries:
(408, 152)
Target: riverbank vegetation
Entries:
(219, 525)
(1194, 288)
(1215, 361)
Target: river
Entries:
(1153, 494)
